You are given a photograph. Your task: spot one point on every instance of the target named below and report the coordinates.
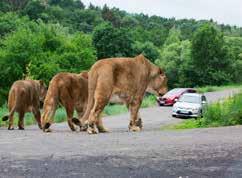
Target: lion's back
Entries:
(23, 94)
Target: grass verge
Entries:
(217, 88)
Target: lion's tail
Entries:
(92, 81)
(6, 117)
(12, 103)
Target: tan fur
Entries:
(71, 91)
(25, 96)
(126, 77)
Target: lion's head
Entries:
(43, 90)
(158, 81)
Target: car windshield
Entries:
(175, 91)
(189, 99)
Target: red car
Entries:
(173, 95)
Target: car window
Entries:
(190, 99)
(174, 91)
(191, 91)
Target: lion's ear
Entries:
(140, 58)
(84, 74)
(41, 82)
(161, 71)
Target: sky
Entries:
(222, 11)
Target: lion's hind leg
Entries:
(95, 115)
(101, 99)
(11, 119)
(21, 120)
(69, 106)
(37, 117)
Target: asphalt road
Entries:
(213, 152)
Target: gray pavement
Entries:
(212, 152)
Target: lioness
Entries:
(69, 89)
(126, 77)
(25, 96)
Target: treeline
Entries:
(39, 38)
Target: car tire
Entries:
(173, 115)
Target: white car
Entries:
(190, 105)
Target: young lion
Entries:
(128, 77)
(25, 96)
(71, 91)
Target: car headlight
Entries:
(174, 108)
(195, 109)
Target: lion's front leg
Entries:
(135, 124)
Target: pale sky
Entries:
(222, 11)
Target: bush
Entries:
(224, 113)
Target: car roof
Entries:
(183, 89)
(193, 94)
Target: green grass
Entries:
(217, 88)
(226, 113)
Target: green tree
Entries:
(173, 37)
(112, 42)
(148, 49)
(9, 22)
(34, 9)
(210, 57)
(41, 50)
(234, 46)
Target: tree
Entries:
(112, 42)
(210, 57)
(40, 50)
(173, 37)
(234, 46)
(34, 9)
(14, 5)
(149, 50)
(9, 22)
(111, 15)
(4, 6)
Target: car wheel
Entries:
(201, 114)
(173, 115)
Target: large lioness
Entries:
(25, 96)
(71, 91)
(128, 78)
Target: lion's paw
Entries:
(92, 129)
(135, 129)
(103, 130)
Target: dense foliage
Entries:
(39, 38)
